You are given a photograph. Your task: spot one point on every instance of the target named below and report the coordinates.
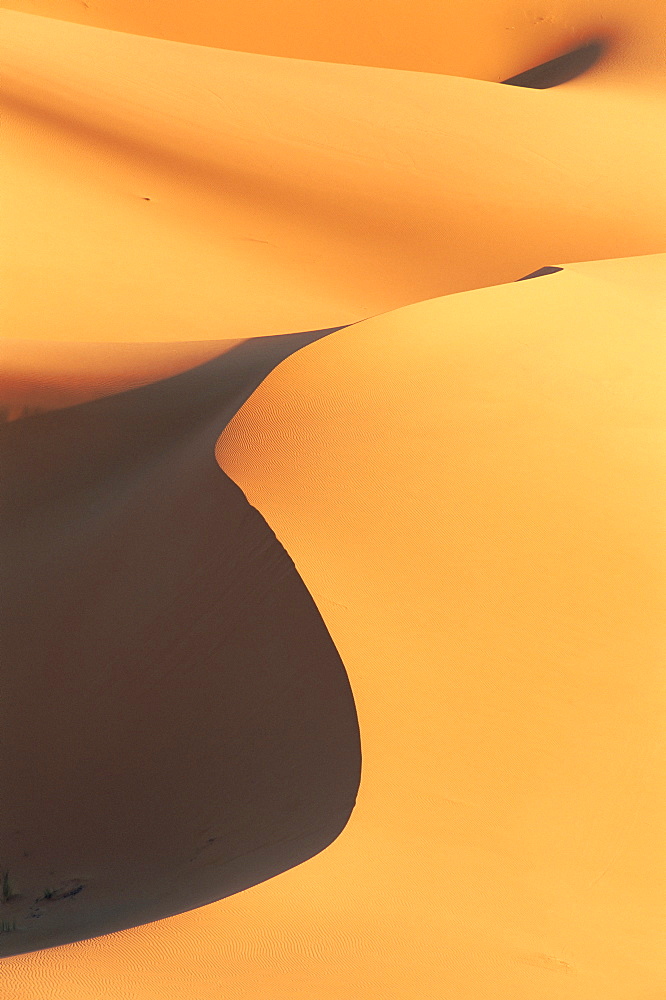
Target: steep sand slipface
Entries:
(178, 725)
(288, 195)
(487, 39)
(472, 489)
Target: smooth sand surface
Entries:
(477, 508)
(470, 485)
(486, 39)
(289, 195)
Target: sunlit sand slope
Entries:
(178, 725)
(488, 39)
(473, 490)
(159, 191)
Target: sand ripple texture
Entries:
(444, 504)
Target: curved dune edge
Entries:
(487, 39)
(473, 500)
(473, 490)
(158, 191)
(38, 376)
(178, 725)
(470, 486)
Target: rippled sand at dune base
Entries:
(436, 518)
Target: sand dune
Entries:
(477, 508)
(486, 39)
(178, 724)
(436, 517)
(46, 375)
(288, 195)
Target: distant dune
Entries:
(425, 535)
(159, 191)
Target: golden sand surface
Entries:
(469, 479)
(475, 509)
(485, 39)
(478, 509)
(287, 195)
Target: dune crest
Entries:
(472, 489)
(234, 556)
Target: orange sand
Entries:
(46, 375)
(470, 483)
(290, 195)
(486, 39)
(477, 507)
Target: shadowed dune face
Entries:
(178, 724)
(541, 272)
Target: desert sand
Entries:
(287, 195)
(477, 509)
(40, 375)
(187, 727)
(238, 556)
(483, 39)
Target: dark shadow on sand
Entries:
(540, 273)
(559, 70)
(178, 725)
